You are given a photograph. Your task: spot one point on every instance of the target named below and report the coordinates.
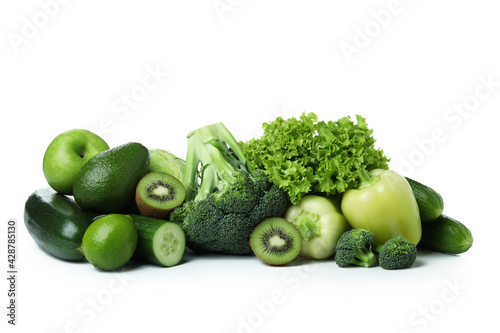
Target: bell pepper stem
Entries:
(365, 178)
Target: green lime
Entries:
(110, 241)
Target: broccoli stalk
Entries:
(214, 157)
(354, 247)
(226, 197)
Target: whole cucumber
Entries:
(56, 223)
(446, 235)
(430, 203)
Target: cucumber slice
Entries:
(160, 242)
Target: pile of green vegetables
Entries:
(305, 188)
(346, 203)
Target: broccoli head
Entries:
(188, 216)
(354, 247)
(239, 196)
(226, 197)
(397, 253)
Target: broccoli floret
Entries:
(354, 247)
(226, 197)
(193, 211)
(261, 183)
(238, 196)
(397, 253)
(234, 234)
(273, 203)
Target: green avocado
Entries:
(106, 183)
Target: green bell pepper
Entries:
(383, 203)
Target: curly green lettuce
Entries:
(305, 156)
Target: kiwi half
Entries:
(276, 241)
(158, 193)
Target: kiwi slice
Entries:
(158, 193)
(276, 241)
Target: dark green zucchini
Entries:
(56, 223)
(430, 203)
(159, 242)
(446, 235)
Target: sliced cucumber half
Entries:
(160, 242)
(169, 244)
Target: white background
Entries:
(70, 65)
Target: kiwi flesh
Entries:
(276, 241)
(158, 193)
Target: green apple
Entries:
(66, 154)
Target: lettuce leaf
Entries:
(309, 156)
